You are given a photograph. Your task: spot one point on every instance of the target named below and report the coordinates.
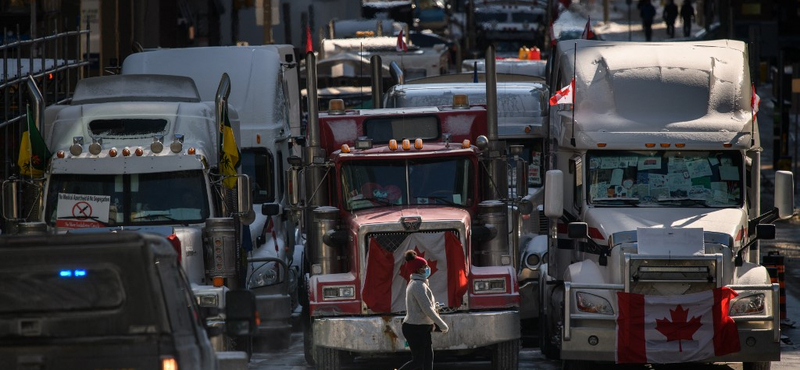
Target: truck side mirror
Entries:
(244, 201)
(578, 230)
(765, 231)
(270, 209)
(784, 194)
(240, 313)
(554, 199)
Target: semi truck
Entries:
(266, 97)
(374, 183)
(145, 153)
(653, 194)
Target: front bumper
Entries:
(382, 334)
(759, 335)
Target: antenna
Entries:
(574, 63)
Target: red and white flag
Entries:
(401, 42)
(670, 329)
(588, 34)
(564, 96)
(755, 100)
(309, 42)
(386, 279)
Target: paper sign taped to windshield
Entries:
(77, 211)
(667, 241)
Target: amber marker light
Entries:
(126, 152)
(418, 144)
(112, 152)
(60, 154)
(460, 101)
(650, 145)
(406, 144)
(680, 145)
(345, 148)
(169, 363)
(336, 106)
(191, 151)
(465, 144)
(258, 138)
(665, 145)
(727, 145)
(219, 281)
(138, 152)
(392, 144)
(601, 145)
(528, 129)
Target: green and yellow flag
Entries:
(33, 152)
(229, 156)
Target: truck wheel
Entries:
(505, 355)
(765, 365)
(546, 344)
(574, 365)
(328, 359)
(308, 338)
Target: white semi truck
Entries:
(144, 153)
(266, 96)
(654, 190)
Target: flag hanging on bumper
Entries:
(672, 329)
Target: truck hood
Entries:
(608, 221)
(386, 215)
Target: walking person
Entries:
(421, 315)
(687, 15)
(648, 13)
(670, 15)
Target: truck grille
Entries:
(391, 241)
(667, 276)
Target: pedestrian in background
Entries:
(648, 13)
(421, 315)
(687, 14)
(670, 14)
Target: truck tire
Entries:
(546, 345)
(574, 365)
(328, 359)
(505, 355)
(765, 365)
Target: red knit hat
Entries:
(416, 264)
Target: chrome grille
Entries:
(670, 276)
(391, 241)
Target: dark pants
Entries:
(419, 340)
(648, 30)
(687, 27)
(671, 29)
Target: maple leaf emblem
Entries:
(431, 264)
(679, 329)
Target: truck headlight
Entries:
(338, 292)
(265, 275)
(747, 305)
(591, 303)
(207, 299)
(532, 261)
(489, 286)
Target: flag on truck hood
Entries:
(401, 42)
(33, 152)
(564, 96)
(386, 279)
(677, 328)
(229, 156)
(588, 34)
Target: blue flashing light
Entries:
(80, 272)
(65, 273)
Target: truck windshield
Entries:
(665, 178)
(448, 181)
(75, 201)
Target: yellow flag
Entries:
(229, 156)
(33, 152)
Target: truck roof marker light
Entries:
(219, 281)
(336, 106)
(96, 146)
(418, 144)
(345, 148)
(139, 151)
(126, 152)
(258, 138)
(460, 101)
(169, 363)
(650, 145)
(727, 145)
(680, 145)
(528, 129)
(392, 144)
(177, 144)
(61, 154)
(406, 144)
(112, 152)
(158, 144)
(601, 145)
(363, 143)
(77, 145)
(465, 144)
(191, 151)
(665, 145)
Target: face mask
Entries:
(427, 272)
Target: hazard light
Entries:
(460, 101)
(336, 106)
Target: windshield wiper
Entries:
(93, 218)
(380, 201)
(616, 201)
(445, 200)
(687, 201)
(154, 215)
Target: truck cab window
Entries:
(257, 163)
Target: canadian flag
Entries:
(565, 95)
(386, 279)
(309, 42)
(401, 42)
(588, 34)
(755, 100)
(670, 329)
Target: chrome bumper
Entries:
(382, 334)
(757, 343)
